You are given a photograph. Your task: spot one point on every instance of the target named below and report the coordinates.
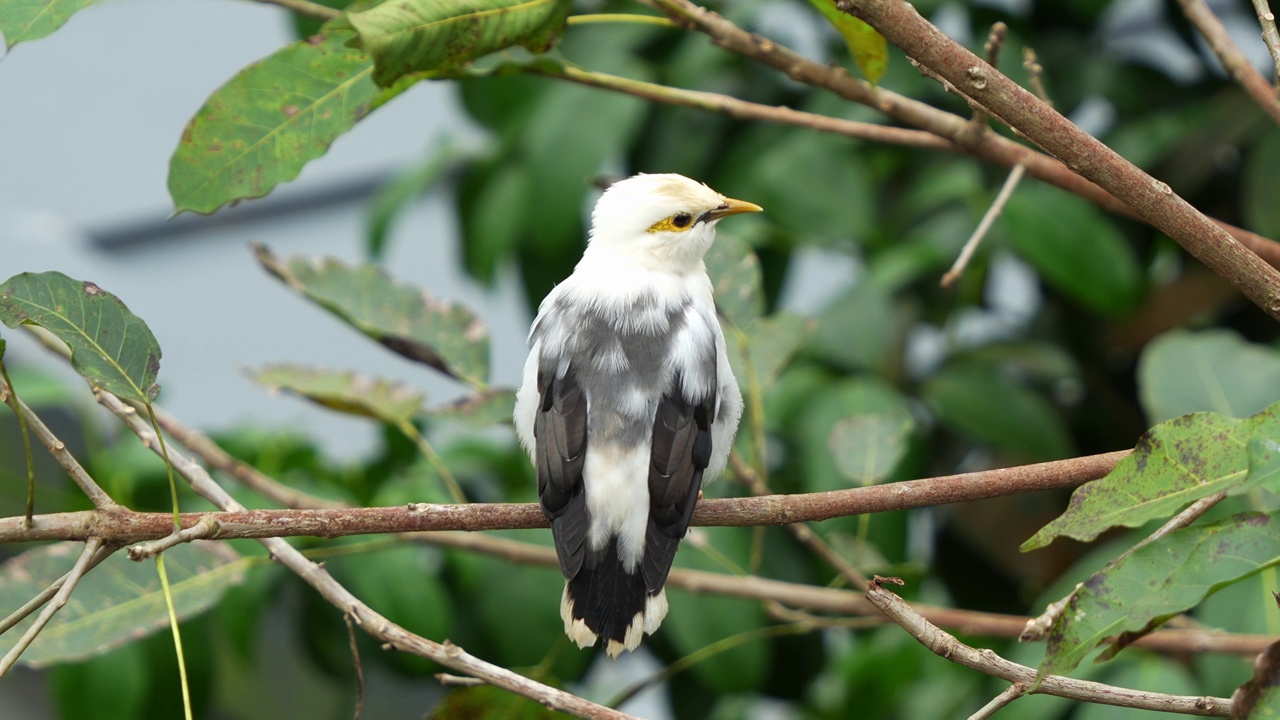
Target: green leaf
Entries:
(483, 409)
(1175, 463)
(1183, 372)
(406, 36)
(869, 49)
(261, 127)
(110, 346)
(978, 400)
(393, 198)
(869, 446)
(26, 20)
(346, 392)
(736, 280)
(117, 602)
(490, 236)
(402, 583)
(405, 319)
(487, 701)
(861, 329)
(1158, 581)
(1074, 246)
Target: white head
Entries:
(667, 221)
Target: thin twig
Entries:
(458, 681)
(1231, 57)
(58, 450)
(39, 600)
(331, 590)
(987, 661)
(10, 397)
(1152, 200)
(1270, 35)
(989, 217)
(1011, 693)
(843, 602)
(995, 41)
(206, 527)
(1035, 72)
(355, 659)
(57, 603)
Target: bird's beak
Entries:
(733, 207)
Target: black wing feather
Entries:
(679, 453)
(560, 429)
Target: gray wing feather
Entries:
(679, 454)
(560, 426)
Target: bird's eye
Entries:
(679, 222)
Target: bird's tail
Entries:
(605, 601)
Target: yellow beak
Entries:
(733, 207)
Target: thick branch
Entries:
(987, 146)
(1151, 200)
(987, 661)
(124, 526)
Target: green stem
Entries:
(26, 441)
(630, 18)
(709, 651)
(173, 485)
(451, 483)
(177, 636)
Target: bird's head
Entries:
(667, 220)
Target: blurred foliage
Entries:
(1072, 332)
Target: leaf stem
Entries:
(177, 635)
(173, 484)
(11, 399)
(629, 18)
(451, 483)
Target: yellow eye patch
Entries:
(679, 222)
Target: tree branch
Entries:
(1231, 57)
(125, 526)
(987, 661)
(1270, 35)
(1151, 200)
(986, 146)
(373, 623)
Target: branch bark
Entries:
(1231, 57)
(987, 661)
(125, 526)
(1153, 201)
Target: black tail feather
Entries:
(609, 600)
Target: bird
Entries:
(627, 403)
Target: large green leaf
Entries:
(26, 20)
(1175, 463)
(406, 36)
(268, 121)
(110, 346)
(403, 318)
(1183, 372)
(868, 446)
(483, 409)
(977, 399)
(735, 275)
(869, 49)
(1074, 247)
(117, 602)
(1158, 581)
(760, 352)
(346, 392)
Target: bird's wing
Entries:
(680, 451)
(560, 426)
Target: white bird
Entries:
(628, 402)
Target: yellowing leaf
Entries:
(868, 47)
